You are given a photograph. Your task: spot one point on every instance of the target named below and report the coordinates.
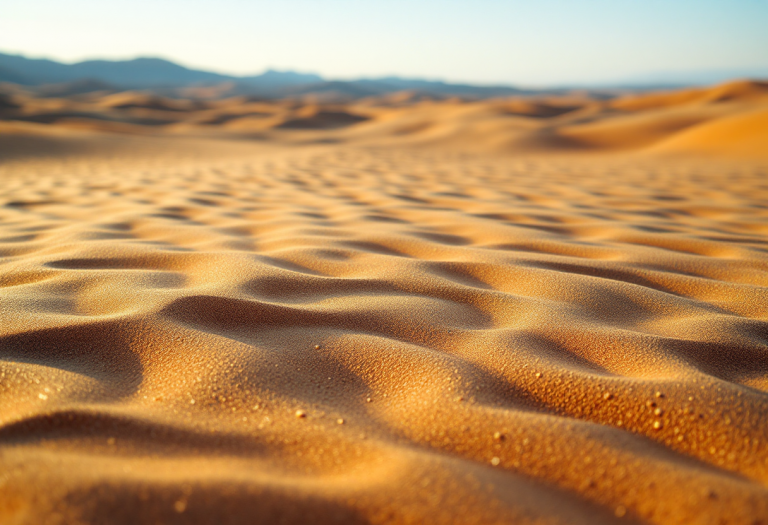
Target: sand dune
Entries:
(744, 134)
(737, 91)
(450, 312)
(671, 122)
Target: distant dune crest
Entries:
(727, 119)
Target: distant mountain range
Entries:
(136, 73)
(51, 78)
(55, 78)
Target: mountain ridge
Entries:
(168, 78)
(161, 74)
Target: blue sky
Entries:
(531, 42)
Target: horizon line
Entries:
(643, 78)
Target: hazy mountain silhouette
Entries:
(159, 74)
(136, 73)
(51, 78)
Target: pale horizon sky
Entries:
(479, 41)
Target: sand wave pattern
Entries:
(383, 336)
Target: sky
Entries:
(524, 42)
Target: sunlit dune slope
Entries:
(744, 134)
(564, 124)
(737, 91)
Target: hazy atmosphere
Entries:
(482, 41)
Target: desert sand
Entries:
(394, 310)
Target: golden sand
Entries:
(439, 314)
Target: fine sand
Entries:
(392, 311)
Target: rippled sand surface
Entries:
(225, 334)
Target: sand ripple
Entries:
(467, 340)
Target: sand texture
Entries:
(418, 312)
